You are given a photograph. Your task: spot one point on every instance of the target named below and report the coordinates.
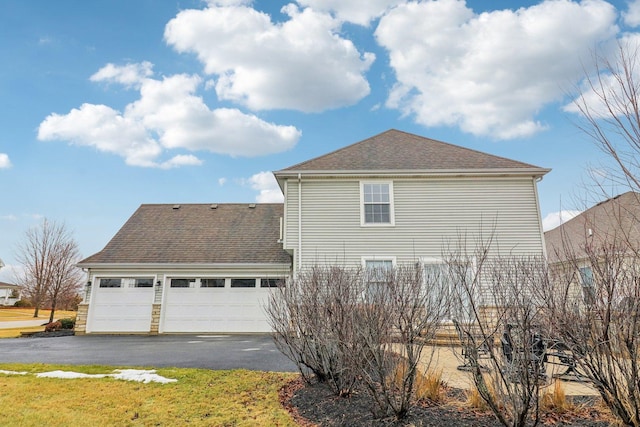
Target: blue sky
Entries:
(109, 104)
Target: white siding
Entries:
(429, 213)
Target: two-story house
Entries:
(391, 199)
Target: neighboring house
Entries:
(613, 224)
(9, 293)
(391, 199)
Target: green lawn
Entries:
(199, 398)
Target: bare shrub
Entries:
(312, 320)
(496, 312)
(403, 307)
(602, 326)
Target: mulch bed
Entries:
(52, 334)
(315, 405)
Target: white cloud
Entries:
(130, 75)
(606, 85)
(266, 184)
(301, 64)
(222, 181)
(489, 73)
(554, 219)
(5, 163)
(632, 15)
(9, 217)
(355, 11)
(169, 115)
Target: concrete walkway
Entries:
(12, 324)
(449, 358)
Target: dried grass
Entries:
(429, 386)
(200, 398)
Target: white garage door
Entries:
(120, 309)
(215, 309)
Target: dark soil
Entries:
(315, 405)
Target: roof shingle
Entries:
(397, 150)
(197, 234)
(613, 221)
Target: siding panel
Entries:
(429, 214)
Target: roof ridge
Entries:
(413, 152)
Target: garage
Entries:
(233, 305)
(186, 268)
(121, 305)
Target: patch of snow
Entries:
(251, 349)
(68, 375)
(212, 336)
(139, 375)
(12, 372)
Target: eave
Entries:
(408, 173)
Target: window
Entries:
(271, 283)
(212, 283)
(110, 283)
(449, 281)
(377, 271)
(586, 280)
(377, 203)
(182, 283)
(243, 283)
(143, 283)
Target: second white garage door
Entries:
(189, 307)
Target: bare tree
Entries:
(498, 321)
(609, 105)
(48, 254)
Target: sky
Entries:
(109, 104)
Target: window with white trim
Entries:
(183, 283)
(243, 283)
(377, 273)
(377, 203)
(110, 282)
(212, 283)
(126, 282)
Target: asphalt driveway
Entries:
(255, 352)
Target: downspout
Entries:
(299, 222)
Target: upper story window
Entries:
(377, 203)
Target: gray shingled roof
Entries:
(196, 233)
(397, 150)
(613, 220)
